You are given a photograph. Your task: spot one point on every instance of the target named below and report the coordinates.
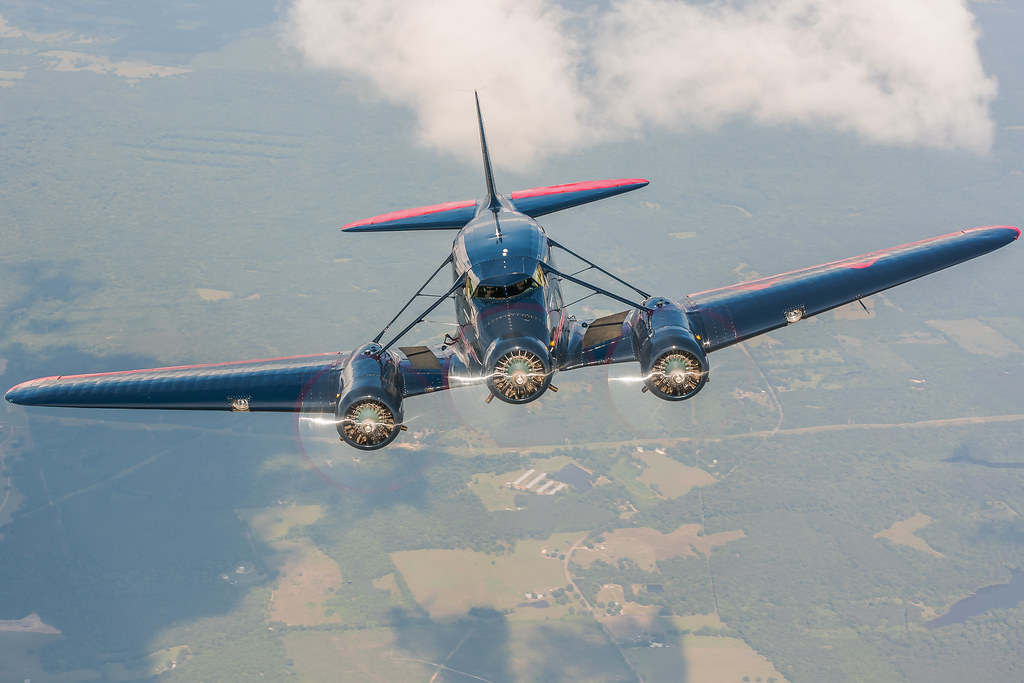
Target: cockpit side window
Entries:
(509, 291)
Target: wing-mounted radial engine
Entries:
(370, 398)
(673, 363)
(511, 338)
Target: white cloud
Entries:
(904, 72)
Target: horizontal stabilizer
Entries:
(534, 202)
(543, 200)
(450, 215)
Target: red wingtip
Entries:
(410, 213)
(997, 227)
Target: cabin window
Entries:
(509, 291)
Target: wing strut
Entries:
(593, 288)
(454, 288)
(599, 268)
(376, 340)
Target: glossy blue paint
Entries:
(512, 324)
(262, 385)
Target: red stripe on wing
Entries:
(577, 187)
(411, 213)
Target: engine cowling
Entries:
(519, 369)
(369, 408)
(673, 363)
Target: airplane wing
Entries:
(277, 384)
(737, 312)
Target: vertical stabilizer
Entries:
(492, 196)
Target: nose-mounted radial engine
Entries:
(514, 331)
(520, 370)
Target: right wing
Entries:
(308, 383)
(737, 312)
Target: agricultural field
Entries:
(449, 583)
(670, 478)
(646, 547)
(304, 577)
(974, 336)
(904, 534)
(496, 496)
(703, 659)
(486, 647)
(353, 655)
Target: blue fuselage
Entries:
(508, 299)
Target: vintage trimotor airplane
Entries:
(513, 329)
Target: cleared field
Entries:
(637, 622)
(903, 533)
(364, 655)
(19, 660)
(491, 490)
(448, 583)
(671, 477)
(611, 592)
(974, 336)
(627, 473)
(646, 546)
(692, 622)
(700, 659)
(305, 576)
(490, 649)
(275, 522)
(569, 650)
(388, 583)
(213, 294)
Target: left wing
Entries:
(737, 312)
(276, 384)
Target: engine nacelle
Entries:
(673, 363)
(370, 405)
(519, 369)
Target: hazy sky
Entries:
(554, 79)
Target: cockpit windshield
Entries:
(508, 291)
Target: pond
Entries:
(997, 596)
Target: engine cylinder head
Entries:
(369, 410)
(676, 375)
(520, 373)
(368, 424)
(675, 366)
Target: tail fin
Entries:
(492, 196)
